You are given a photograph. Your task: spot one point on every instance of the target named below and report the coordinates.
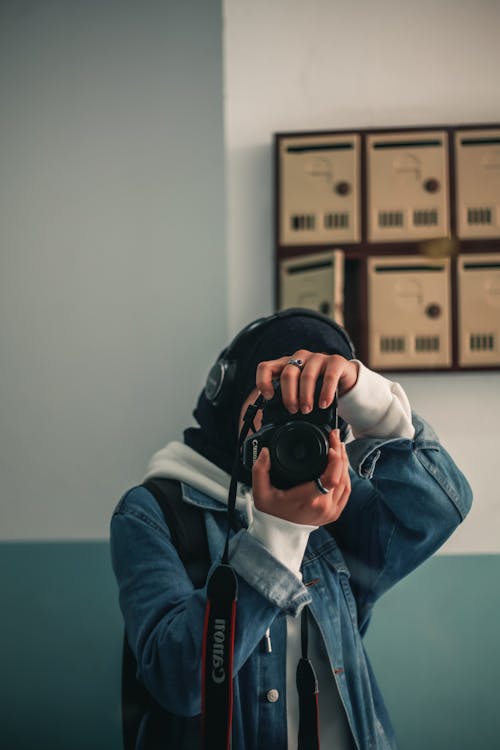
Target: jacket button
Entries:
(272, 695)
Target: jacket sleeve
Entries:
(407, 498)
(164, 614)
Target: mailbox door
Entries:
(407, 183)
(477, 159)
(319, 186)
(479, 309)
(314, 281)
(409, 312)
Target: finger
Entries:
(347, 491)
(289, 381)
(343, 488)
(339, 497)
(344, 449)
(333, 371)
(266, 373)
(332, 476)
(261, 482)
(345, 463)
(337, 462)
(308, 379)
(308, 494)
(334, 439)
(342, 501)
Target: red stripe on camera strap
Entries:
(220, 627)
(217, 659)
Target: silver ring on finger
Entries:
(321, 487)
(296, 362)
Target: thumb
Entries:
(263, 461)
(260, 472)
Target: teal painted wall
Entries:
(59, 648)
(433, 644)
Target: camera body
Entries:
(298, 443)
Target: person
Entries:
(389, 497)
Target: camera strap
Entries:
(218, 642)
(307, 688)
(220, 626)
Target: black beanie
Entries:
(216, 438)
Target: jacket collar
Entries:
(204, 483)
(200, 499)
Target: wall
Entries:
(112, 235)
(113, 295)
(112, 303)
(296, 66)
(327, 65)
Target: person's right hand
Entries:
(305, 503)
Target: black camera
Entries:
(298, 443)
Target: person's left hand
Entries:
(298, 385)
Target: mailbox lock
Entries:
(432, 185)
(433, 310)
(342, 188)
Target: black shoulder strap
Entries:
(186, 524)
(187, 527)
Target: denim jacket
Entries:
(407, 497)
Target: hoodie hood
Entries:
(178, 461)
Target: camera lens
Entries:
(299, 451)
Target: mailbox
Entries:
(477, 166)
(407, 186)
(319, 187)
(314, 281)
(478, 288)
(409, 312)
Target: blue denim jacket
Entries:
(407, 498)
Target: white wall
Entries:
(112, 257)
(291, 65)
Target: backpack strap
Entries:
(186, 524)
(187, 527)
